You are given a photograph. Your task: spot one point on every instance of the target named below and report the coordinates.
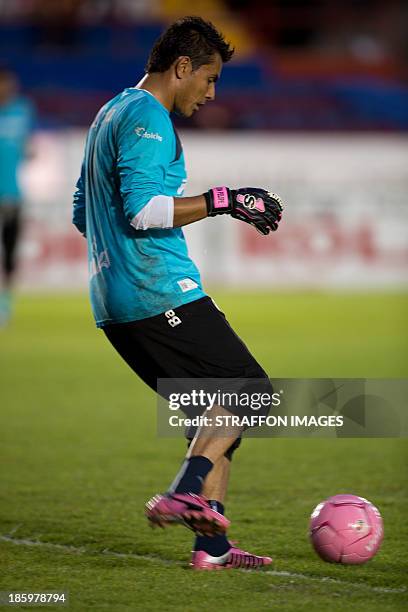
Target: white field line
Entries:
(282, 574)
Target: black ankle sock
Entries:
(217, 545)
(217, 506)
(191, 475)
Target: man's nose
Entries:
(210, 95)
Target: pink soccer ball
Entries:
(346, 529)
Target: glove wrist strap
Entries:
(218, 201)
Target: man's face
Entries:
(197, 87)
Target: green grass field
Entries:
(80, 456)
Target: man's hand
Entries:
(258, 207)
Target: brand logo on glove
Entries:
(251, 202)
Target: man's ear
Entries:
(183, 66)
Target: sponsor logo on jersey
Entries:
(143, 133)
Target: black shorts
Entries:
(192, 341)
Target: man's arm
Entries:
(252, 205)
(189, 210)
(142, 165)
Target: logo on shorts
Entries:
(172, 318)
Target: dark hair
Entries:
(190, 36)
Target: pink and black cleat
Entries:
(235, 558)
(188, 509)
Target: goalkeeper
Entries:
(145, 291)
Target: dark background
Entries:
(315, 65)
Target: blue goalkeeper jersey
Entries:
(16, 123)
(132, 154)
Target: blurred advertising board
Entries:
(345, 223)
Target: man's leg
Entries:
(214, 489)
(184, 502)
(207, 448)
(130, 342)
(218, 552)
(10, 231)
(216, 483)
(154, 350)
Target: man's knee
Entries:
(230, 450)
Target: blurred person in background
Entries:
(16, 123)
(146, 292)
